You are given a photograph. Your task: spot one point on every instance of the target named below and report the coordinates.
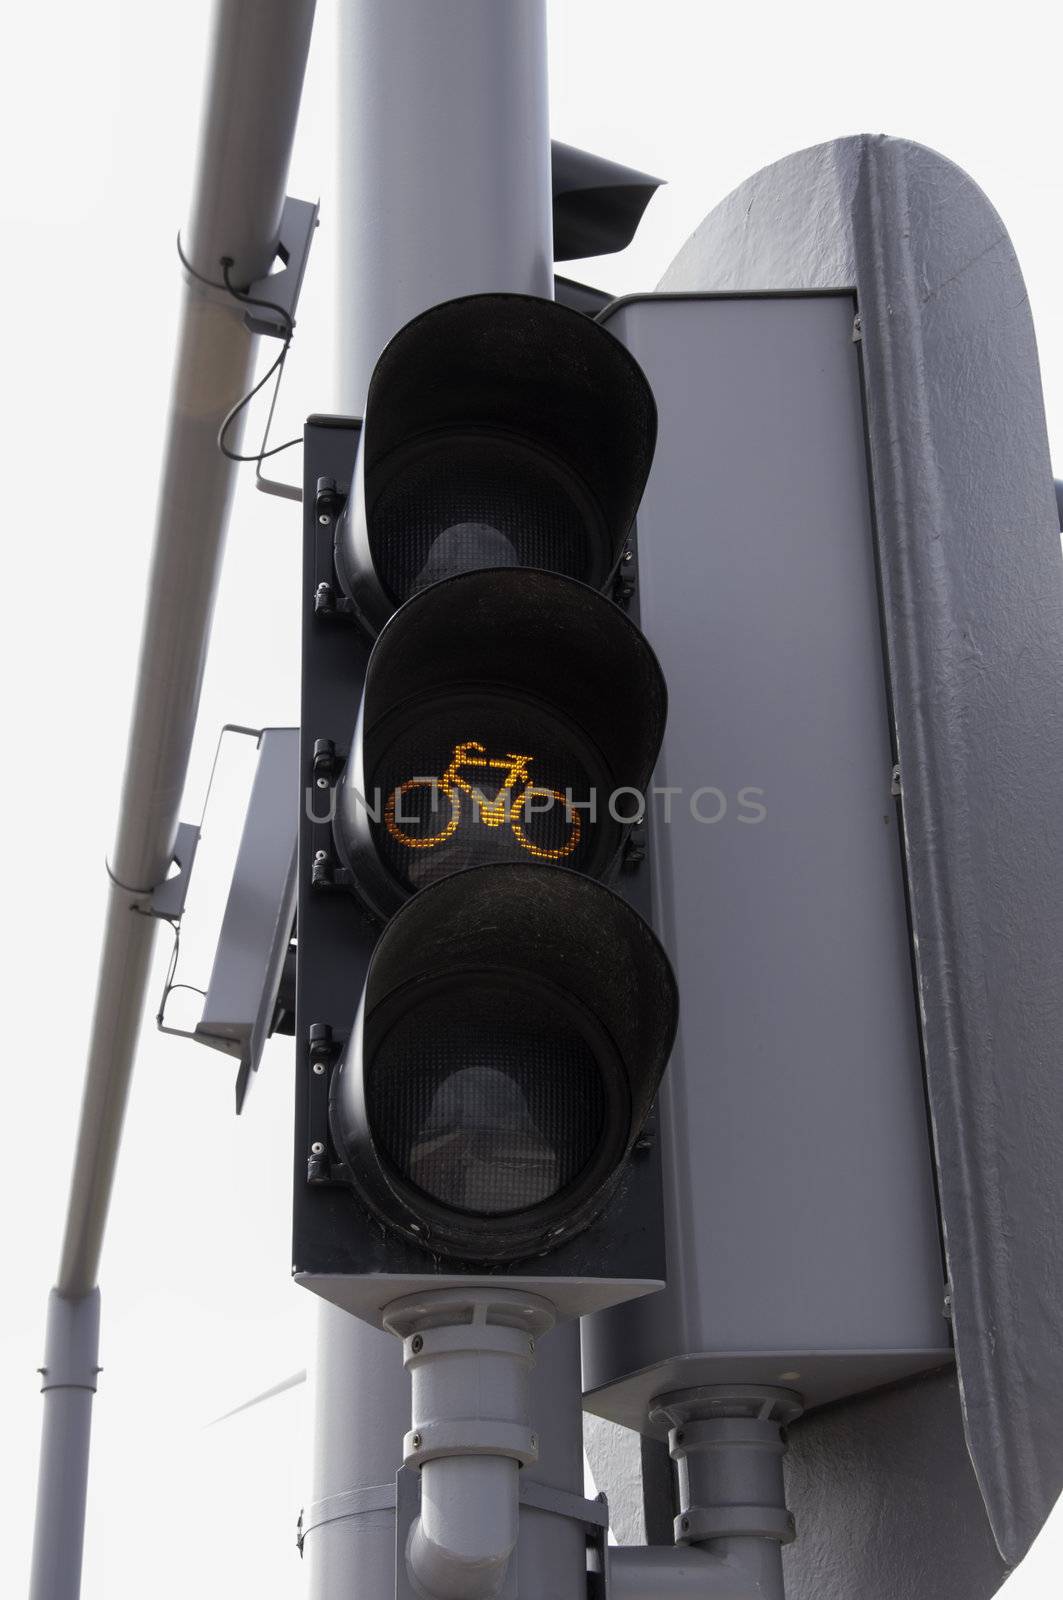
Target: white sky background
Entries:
(99, 106)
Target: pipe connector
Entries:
(469, 1353)
(72, 1342)
(727, 1443)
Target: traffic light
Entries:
(483, 1015)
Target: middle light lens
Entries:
(467, 781)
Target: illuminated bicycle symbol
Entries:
(509, 805)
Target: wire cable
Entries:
(242, 297)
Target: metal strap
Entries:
(593, 1514)
(353, 1503)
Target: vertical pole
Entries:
(444, 190)
(68, 1383)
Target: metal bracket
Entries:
(593, 1515)
(168, 898)
(404, 1498)
(325, 1050)
(281, 289)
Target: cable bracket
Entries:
(281, 289)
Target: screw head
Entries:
(417, 1344)
(324, 519)
(416, 1441)
(629, 555)
(320, 855)
(319, 1069)
(684, 1523)
(317, 1148)
(322, 783)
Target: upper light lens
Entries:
(462, 504)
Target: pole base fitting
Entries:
(727, 1443)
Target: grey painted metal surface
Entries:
(68, 1383)
(366, 1407)
(257, 925)
(444, 190)
(656, 1573)
(444, 169)
(803, 1243)
(886, 1502)
(973, 588)
(259, 56)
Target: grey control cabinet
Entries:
(803, 1235)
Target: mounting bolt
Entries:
(327, 500)
(417, 1344)
(416, 1441)
(319, 1069)
(320, 855)
(317, 1148)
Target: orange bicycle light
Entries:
(508, 716)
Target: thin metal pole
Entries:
(258, 61)
(444, 190)
(259, 57)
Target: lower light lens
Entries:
(487, 1102)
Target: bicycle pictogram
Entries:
(511, 803)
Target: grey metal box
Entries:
(803, 1238)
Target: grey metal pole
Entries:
(444, 190)
(258, 61)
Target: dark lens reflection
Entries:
(488, 1102)
(470, 503)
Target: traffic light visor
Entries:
(500, 430)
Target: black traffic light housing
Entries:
(561, 950)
